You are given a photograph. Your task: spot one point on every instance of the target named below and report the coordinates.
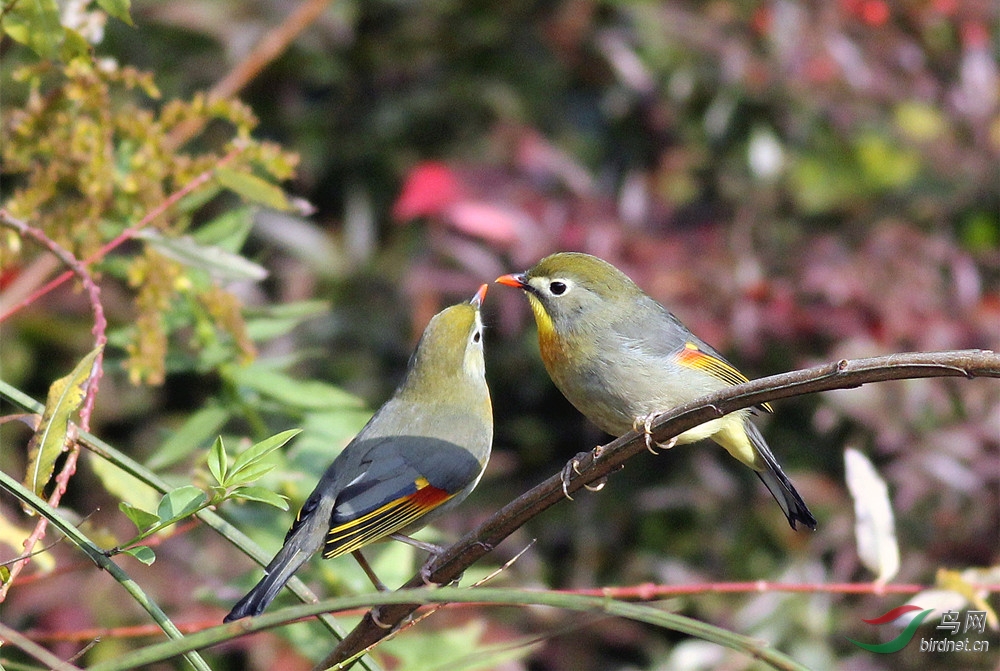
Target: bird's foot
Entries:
(646, 425)
(573, 466)
(425, 575)
(373, 613)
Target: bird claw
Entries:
(567, 473)
(425, 576)
(378, 623)
(573, 466)
(646, 425)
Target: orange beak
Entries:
(514, 280)
(477, 300)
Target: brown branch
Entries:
(454, 560)
(269, 48)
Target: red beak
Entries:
(514, 280)
(477, 300)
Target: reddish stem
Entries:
(127, 234)
(100, 326)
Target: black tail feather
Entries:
(298, 547)
(778, 484)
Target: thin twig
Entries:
(274, 43)
(652, 592)
(128, 233)
(100, 339)
(19, 640)
(79, 269)
(843, 374)
(226, 530)
(94, 553)
(436, 607)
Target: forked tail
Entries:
(778, 484)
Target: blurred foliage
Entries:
(798, 181)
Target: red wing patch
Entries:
(690, 356)
(387, 519)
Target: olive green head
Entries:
(448, 360)
(569, 287)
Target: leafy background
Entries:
(800, 182)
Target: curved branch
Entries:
(79, 269)
(95, 554)
(100, 339)
(844, 374)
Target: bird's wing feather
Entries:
(668, 338)
(400, 480)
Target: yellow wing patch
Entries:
(691, 356)
(385, 520)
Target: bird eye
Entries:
(557, 288)
(477, 337)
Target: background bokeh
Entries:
(799, 182)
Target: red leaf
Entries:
(429, 190)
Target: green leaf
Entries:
(440, 649)
(259, 450)
(305, 394)
(198, 428)
(74, 44)
(249, 473)
(277, 321)
(980, 232)
(229, 230)
(218, 461)
(248, 461)
(142, 553)
(216, 261)
(253, 188)
(820, 184)
(140, 518)
(123, 485)
(180, 503)
(36, 25)
(262, 495)
(294, 310)
(65, 396)
(324, 435)
(118, 9)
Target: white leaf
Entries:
(218, 262)
(874, 525)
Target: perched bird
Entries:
(420, 455)
(621, 358)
